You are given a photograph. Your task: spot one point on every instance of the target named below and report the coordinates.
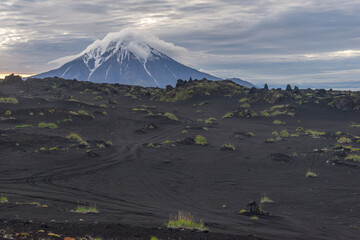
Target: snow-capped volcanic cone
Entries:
(127, 57)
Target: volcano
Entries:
(125, 59)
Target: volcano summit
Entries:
(127, 57)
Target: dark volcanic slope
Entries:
(131, 160)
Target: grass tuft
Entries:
(24, 126)
(47, 125)
(185, 220)
(3, 199)
(82, 208)
(171, 116)
(9, 100)
(74, 136)
(309, 173)
(200, 140)
(354, 157)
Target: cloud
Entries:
(137, 41)
(250, 39)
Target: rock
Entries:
(280, 157)
(140, 131)
(345, 103)
(180, 83)
(43, 225)
(169, 88)
(188, 141)
(151, 126)
(296, 89)
(253, 208)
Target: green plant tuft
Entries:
(171, 116)
(200, 140)
(47, 125)
(185, 220)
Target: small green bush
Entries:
(200, 140)
(314, 133)
(355, 158)
(9, 100)
(210, 120)
(74, 137)
(265, 199)
(277, 122)
(228, 147)
(171, 116)
(228, 115)
(24, 126)
(284, 133)
(344, 140)
(310, 174)
(250, 134)
(245, 105)
(47, 125)
(3, 199)
(82, 208)
(185, 220)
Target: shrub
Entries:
(265, 199)
(344, 140)
(299, 129)
(245, 105)
(4, 199)
(210, 120)
(154, 238)
(10, 100)
(185, 220)
(355, 125)
(8, 112)
(249, 134)
(200, 140)
(243, 100)
(103, 105)
(47, 125)
(24, 126)
(355, 158)
(277, 106)
(278, 122)
(284, 133)
(171, 116)
(74, 136)
(82, 208)
(228, 147)
(310, 174)
(314, 133)
(228, 115)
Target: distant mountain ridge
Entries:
(126, 60)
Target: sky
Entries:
(312, 43)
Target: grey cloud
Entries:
(237, 38)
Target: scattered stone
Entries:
(188, 141)
(280, 157)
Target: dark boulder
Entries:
(346, 103)
(188, 141)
